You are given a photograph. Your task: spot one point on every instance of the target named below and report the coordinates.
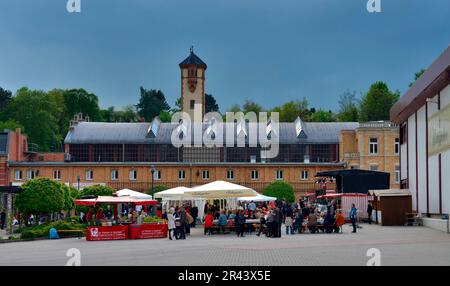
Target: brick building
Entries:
(122, 155)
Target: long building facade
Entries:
(423, 114)
(124, 155)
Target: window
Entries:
(57, 175)
(18, 175)
(133, 175)
(114, 175)
(230, 175)
(30, 174)
(397, 146)
(192, 104)
(89, 175)
(397, 174)
(205, 175)
(157, 175)
(181, 175)
(279, 174)
(373, 146)
(304, 175)
(374, 167)
(255, 175)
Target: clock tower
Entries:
(193, 85)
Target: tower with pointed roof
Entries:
(192, 84)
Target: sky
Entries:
(268, 51)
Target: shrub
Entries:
(96, 190)
(43, 229)
(281, 190)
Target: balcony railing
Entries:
(354, 155)
(32, 148)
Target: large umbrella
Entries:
(174, 194)
(114, 200)
(258, 198)
(221, 190)
(133, 194)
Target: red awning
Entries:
(114, 200)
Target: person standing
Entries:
(2, 219)
(288, 222)
(369, 212)
(277, 219)
(223, 221)
(194, 214)
(171, 223)
(251, 206)
(352, 216)
(239, 221)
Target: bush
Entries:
(281, 190)
(43, 229)
(96, 190)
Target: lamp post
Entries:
(152, 170)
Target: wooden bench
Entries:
(79, 231)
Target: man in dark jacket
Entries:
(2, 219)
(277, 219)
(183, 223)
(369, 212)
(194, 214)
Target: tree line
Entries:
(45, 115)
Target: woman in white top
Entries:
(171, 222)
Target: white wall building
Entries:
(423, 114)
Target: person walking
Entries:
(298, 221)
(352, 216)
(171, 222)
(183, 219)
(369, 212)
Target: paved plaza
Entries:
(398, 246)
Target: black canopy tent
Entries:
(358, 181)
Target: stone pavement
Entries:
(398, 246)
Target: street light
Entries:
(152, 170)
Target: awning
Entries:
(114, 200)
(258, 198)
(221, 190)
(133, 194)
(175, 194)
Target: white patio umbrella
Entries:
(221, 190)
(258, 198)
(174, 194)
(133, 194)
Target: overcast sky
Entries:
(269, 51)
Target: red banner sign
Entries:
(148, 230)
(107, 232)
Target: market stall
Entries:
(116, 228)
(257, 198)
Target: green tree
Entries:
(70, 194)
(235, 108)
(211, 104)
(290, 110)
(282, 190)
(38, 113)
(151, 103)
(5, 98)
(108, 115)
(348, 108)
(322, 116)
(96, 190)
(416, 76)
(40, 195)
(377, 102)
(251, 106)
(165, 116)
(10, 125)
(156, 189)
